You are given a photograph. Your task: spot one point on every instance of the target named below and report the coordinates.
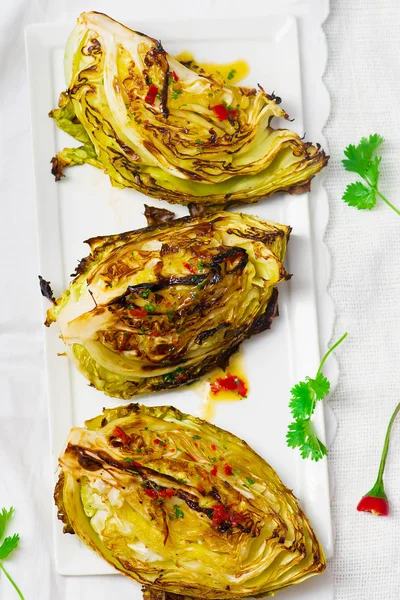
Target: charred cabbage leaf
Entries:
(170, 131)
(158, 307)
(182, 506)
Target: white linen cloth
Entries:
(363, 77)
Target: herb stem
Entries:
(330, 351)
(10, 579)
(396, 210)
(386, 444)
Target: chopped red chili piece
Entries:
(222, 112)
(174, 76)
(151, 94)
(213, 447)
(152, 493)
(220, 514)
(120, 433)
(167, 493)
(228, 470)
(213, 471)
(136, 463)
(189, 268)
(138, 312)
(229, 383)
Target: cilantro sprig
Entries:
(8, 545)
(360, 159)
(304, 397)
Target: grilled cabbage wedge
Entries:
(168, 129)
(182, 506)
(157, 308)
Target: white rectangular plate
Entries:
(84, 205)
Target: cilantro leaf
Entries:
(320, 386)
(312, 447)
(372, 173)
(360, 159)
(301, 434)
(370, 145)
(9, 544)
(360, 196)
(301, 401)
(355, 162)
(5, 516)
(295, 434)
(304, 396)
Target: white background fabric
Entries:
(363, 77)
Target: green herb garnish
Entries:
(178, 513)
(149, 307)
(8, 545)
(231, 73)
(304, 397)
(360, 159)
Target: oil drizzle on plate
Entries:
(210, 400)
(232, 72)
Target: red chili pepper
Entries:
(230, 383)
(213, 447)
(376, 501)
(189, 268)
(220, 514)
(222, 112)
(167, 493)
(136, 463)
(120, 433)
(152, 493)
(138, 312)
(151, 94)
(213, 471)
(174, 76)
(228, 470)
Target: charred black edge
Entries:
(109, 239)
(94, 461)
(45, 289)
(264, 321)
(206, 334)
(58, 499)
(221, 360)
(164, 91)
(213, 276)
(157, 216)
